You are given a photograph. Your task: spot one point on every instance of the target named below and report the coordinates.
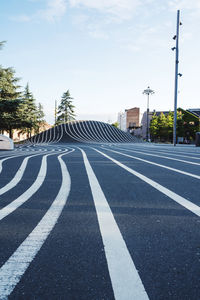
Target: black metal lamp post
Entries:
(148, 92)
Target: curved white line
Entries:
(13, 269)
(102, 128)
(86, 132)
(70, 133)
(82, 133)
(102, 139)
(8, 209)
(111, 132)
(10, 157)
(94, 137)
(58, 134)
(16, 179)
(61, 135)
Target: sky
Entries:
(106, 52)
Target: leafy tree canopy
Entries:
(161, 127)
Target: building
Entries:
(129, 119)
(18, 135)
(194, 111)
(122, 121)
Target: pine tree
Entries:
(40, 118)
(9, 100)
(29, 111)
(40, 114)
(65, 109)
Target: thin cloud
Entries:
(55, 9)
(97, 34)
(21, 18)
(122, 9)
(185, 4)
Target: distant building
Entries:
(129, 119)
(122, 121)
(194, 111)
(18, 135)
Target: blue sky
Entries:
(106, 52)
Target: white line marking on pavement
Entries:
(161, 156)
(125, 279)
(10, 157)
(155, 164)
(8, 209)
(12, 271)
(180, 200)
(16, 179)
(167, 153)
(5, 211)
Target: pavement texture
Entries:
(100, 221)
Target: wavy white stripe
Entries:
(12, 271)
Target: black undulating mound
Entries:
(83, 132)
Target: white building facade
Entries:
(122, 116)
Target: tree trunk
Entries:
(10, 133)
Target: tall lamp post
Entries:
(176, 37)
(148, 92)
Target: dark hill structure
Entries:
(83, 132)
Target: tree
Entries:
(8, 84)
(29, 111)
(170, 125)
(65, 109)
(17, 111)
(40, 114)
(187, 124)
(40, 117)
(154, 127)
(180, 124)
(9, 100)
(116, 124)
(162, 127)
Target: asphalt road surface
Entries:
(100, 222)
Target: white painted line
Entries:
(180, 200)
(167, 153)
(16, 179)
(125, 279)
(165, 157)
(155, 164)
(10, 157)
(12, 271)
(5, 211)
(8, 209)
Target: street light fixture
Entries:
(148, 92)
